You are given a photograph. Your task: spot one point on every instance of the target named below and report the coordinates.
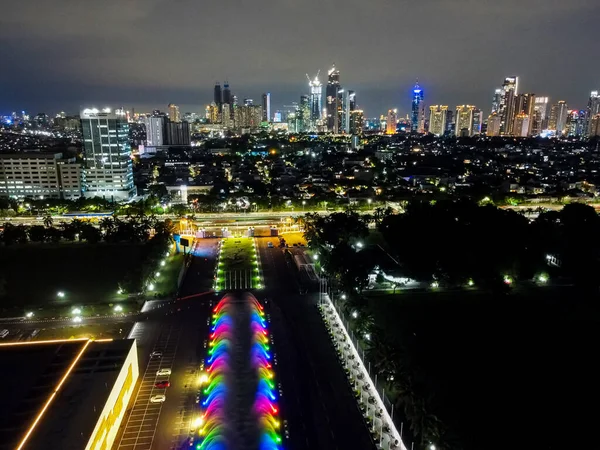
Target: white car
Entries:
(157, 398)
(270, 244)
(162, 372)
(155, 354)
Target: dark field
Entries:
(517, 371)
(33, 274)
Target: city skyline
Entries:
(57, 65)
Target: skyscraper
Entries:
(155, 126)
(593, 109)
(477, 121)
(493, 124)
(525, 104)
(266, 107)
(351, 101)
(332, 94)
(538, 120)
(417, 99)
(107, 154)
(521, 125)
(507, 104)
(226, 93)
(218, 97)
(594, 129)
(343, 104)
(304, 122)
(464, 120)
(496, 100)
(391, 122)
(316, 93)
(558, 117)
(174, 115)
(437, 119)
(357, 121)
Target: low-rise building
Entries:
(40, 175)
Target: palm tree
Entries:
(48, 222)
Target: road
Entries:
(317, 400)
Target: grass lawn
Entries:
(238, 266)
(503, 371)
(166, 283)
(32, 275)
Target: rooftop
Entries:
(54, 391)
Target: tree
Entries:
(13, 234)
(90, 233)
(48, 222)
(37, 233)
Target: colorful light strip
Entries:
(213, 421)
(265, 403)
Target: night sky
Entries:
(63, 54)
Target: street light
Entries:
(118, 308)
(354, 314)
(76, 311)
(359, 244)
(77, 319)
(315, 256)
(29, 315)
(162, 264)
(151, 287)
(60, 294)
(157, 274)
(344, 297)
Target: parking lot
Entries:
(142, 421)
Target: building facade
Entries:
(392, 121)
(266, 107)
(464, 120)
(437, 119)
(316, 98)
(174, 115)
(507, 108)
(493, 124)
(416, 106)
(108, 169)
(333, 103)
(40, 175)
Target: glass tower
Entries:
(417, 99)
(108, 169)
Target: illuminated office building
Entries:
(539, 119)
(593, 109)
(507, 109)
(266, 107)
(525, 104)
(558, 117)
(174, 115)
(437, 119)
(493, 124)
(521, 125)
(416, 113)
(218, 96)
(391, 122)
(108, 168)
(464, 120)
(496, 100)
(333, 100)
(316, 98)
(357, 121)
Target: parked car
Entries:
(157, 398)
(162, 372)
(162, 384)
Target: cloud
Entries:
(144, 49)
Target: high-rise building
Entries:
(594, 129)
(248, 117)
(437, 119)
(226, 116)
(351, 100)
(391, 122)
(213, 113)
(266, 107)
(464, 120)
(525, 104)
(108, 168)
(558, 117)
(343, 104)
(332, 105)
(155, 129)
(497, 100)
(450, 122)
(507, 104)
(174, 115)
(226, 93)
(304, 122)
(177, 133)
(248, 102)
(521, 125)
(493, 124)
(538, 120)
(357, 121)
(218, 97)
(593, 109)
(416, 113)
(477, 121)
(316, 95)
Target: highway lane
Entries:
(192, 316)
(317, 400)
